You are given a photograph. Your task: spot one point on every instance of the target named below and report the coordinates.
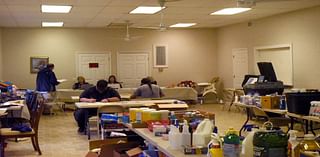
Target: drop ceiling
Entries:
(100, 13)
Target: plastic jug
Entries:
(293, 144)
(231, 147)
(247, 143)
(214, 146)
(202, 135)
(174, 137)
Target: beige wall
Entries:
(300, 28)
(191, 52)
(1, 62)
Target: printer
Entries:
(263, 84)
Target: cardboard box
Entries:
(99, 143)
(109, 149)
(139, 125)
(270, 102)
(124, 152)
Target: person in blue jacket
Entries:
(46, 79)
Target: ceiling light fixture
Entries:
(183, 25)
(56, 8)
(146, 10)
(230, 11)
(52, 24)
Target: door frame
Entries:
(108, 53)
(134, 52)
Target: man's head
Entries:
(50, 66)
(102, 85)
(145, 81)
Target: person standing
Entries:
(46, 79)
(46, 84)
(99, 93)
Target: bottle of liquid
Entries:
(309, 145)
(186, 136)
(247, 144)
(214, 146)
(231, 147)
(293, 143)
(174, 137)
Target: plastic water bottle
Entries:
(282, 103)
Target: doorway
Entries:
(132, 68)
(93, 67)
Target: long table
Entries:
(250, 107)
(19, 109)
(138, 103)
(161, 144)
(308, 121)
(179, 93)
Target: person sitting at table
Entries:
(113, 83)
(81, 84)
(99, 93)
(147, 90)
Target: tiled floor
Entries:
(58, 135)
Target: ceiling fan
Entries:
(128, 37)
(162, 26)
(251, 3)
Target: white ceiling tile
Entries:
(85, 11)
(59, 2)
(132, 3)
(22, 2)
(118, 10)
(92, 2)
(95, 13)
(7, 22)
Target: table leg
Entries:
(307, 126)
(247, 120)
(311, 128)
(291, 123)
(233, 99)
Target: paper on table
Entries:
(3, 110)
(62, 80)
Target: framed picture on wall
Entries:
(37, 62)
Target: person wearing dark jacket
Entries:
(46, 79)
(99, 93)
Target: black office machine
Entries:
(265, 83)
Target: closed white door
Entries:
(94, 67)
(132, 68)
(240, 65)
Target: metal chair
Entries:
(95, 120)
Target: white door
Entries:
(94, 67)
(132, 68)
(240, 65)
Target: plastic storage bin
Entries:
(299, 103)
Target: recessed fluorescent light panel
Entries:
(146, 10)
(230, 11)
(183, 25)
(52, 24)
(56, 8)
